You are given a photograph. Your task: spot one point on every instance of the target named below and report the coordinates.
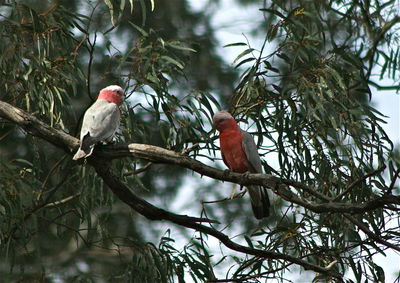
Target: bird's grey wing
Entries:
(100, 122)
(107, 122)
(250, 149)
(258, 195)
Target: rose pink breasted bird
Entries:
(240, 154)
(101, 120)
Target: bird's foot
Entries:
(246, 175)
(233, 192)
(226, 172)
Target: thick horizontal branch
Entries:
(157, 154)
(35, 127)
(160, 155)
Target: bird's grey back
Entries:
(101, 120)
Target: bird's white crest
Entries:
(115, 88)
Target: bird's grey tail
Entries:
(86, 148)
(259, 201)
(83, 153)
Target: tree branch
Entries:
(35, 127)
(359, 181)
(124, 193)
(157, 154)
(363, 227)
(384, 87)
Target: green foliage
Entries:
(117, 7)
(153, 63)
(314, 112)
(39, 54)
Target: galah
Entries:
(101, 120)
(240, 154)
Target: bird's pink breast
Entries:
(231, 146)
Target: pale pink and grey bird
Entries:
(240, 154)
(101, 120)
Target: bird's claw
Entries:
(246, 175)
(226, 172)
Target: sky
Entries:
(238, 30)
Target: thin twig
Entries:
(396, 175)
(138, 171)
(48, 176)
(370, 234)
(358, 181)
(59, 202)
(89, 68)
(186, 151)
(239, 195)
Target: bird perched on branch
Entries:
(240, 154)
(101, 120)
